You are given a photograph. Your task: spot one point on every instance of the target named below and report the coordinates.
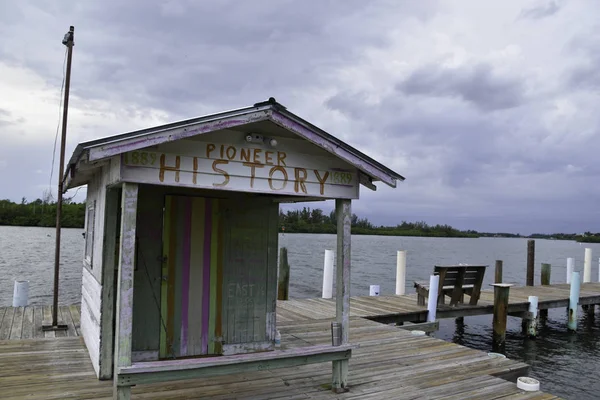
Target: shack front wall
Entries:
(224, 160)
(205, 277)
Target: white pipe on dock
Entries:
(374, 290)
(434, 281)
(570, 266)
(21, 294)
(598, 269)
(532, 323)
(587, 266)
(328, 275)
(573, 301)
(401, 272)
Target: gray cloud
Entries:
(504, 140)
(541, 11)
(475, 84)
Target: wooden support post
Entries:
(545, 280)
(574, 301)
(124, 306)
(498, 276)
(109, 264)
(342, 299)
(532, 322)
(501, 291)
(283, 285)
(530, 261)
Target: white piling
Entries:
(570, 266)
(374, 290)
(401, 272)
(434, 281)
(21, 294)
(598, 269)
(328, 275)
(587, 266)
(532, 323)
(573, 301)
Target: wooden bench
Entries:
(455, 281)
(169, 370)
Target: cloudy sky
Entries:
(490, 109)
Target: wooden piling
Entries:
(530, 261)
(501, 291)
(498, 276)
(545, 280)
(283, 283)
(574, 301)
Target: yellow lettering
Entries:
(285, 177)
(245, 154)
(253, 167)
(268, 159)
(163, 168)
(231, 151)
(299, 182)
(219, 170)
(281, 158)
(209, 149)
(322, 180)
(256, 158)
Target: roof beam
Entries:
(172, 134)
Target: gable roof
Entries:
(101, 149)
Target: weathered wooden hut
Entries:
(179, 270)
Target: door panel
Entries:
(190, 289)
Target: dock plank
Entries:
(7, 321)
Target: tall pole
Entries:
(67, 41)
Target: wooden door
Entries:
(249, 275)
(191, 277)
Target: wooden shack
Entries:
(179, 271)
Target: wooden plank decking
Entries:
(389, 364)
(404, 308)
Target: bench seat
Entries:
(168, 370)
(455, 282)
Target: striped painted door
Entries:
(191, 277)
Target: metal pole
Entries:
(67, 41)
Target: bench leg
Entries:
(121, 392)
(339, 379)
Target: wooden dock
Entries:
(388, 309)
(388, 363)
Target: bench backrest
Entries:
(450, 275)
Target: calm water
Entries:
(565, 363)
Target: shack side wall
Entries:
(93, 273)
(91, 290)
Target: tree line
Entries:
(43, 213)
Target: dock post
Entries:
(545, 279)
(283, 283)
(570, 266)
(587, 266)
(532, 322)
(530, 261)
(434, 281)
(501, 291)
(573, 301)
(401, 272)
(498, 276)
(328, 275)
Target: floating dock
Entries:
(388, 363)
